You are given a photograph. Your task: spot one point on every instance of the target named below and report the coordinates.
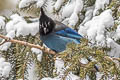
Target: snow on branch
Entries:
(5, 68)
(46, 50)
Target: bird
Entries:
(56, 35)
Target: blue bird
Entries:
(55, 35)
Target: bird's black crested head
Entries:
(46, 24)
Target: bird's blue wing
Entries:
(63, 30)
(70, 33)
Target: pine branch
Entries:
(46, 50)
(111, 59)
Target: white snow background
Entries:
(93, 27)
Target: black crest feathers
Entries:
(46, 24)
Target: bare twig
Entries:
(46, 50)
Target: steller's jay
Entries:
(55, 35)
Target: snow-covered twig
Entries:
(46, 50)
(2, 42)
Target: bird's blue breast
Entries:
(57, 41)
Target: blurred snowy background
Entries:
(96, 20)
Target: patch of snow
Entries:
(83, 31)
(24, 29)
(65, 21)
(78, 6)
(11, 34)
(48, 78)
(98, 75)
(26, 3)
(39, 57)
(84, 61)
(71, 76)
(2, 22)
(117, 33)
(100, 4)
(6, 71)
(21, 27)
(38, 52)
(31, 73)
(95, 28)
(58, 4)
(40, 3)
(5, 46)
(115, 48)
(74, 17)
(35, 50)
(88, 15)
(5, 68)
(68, 9)
(15, 18)
(59, 65)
